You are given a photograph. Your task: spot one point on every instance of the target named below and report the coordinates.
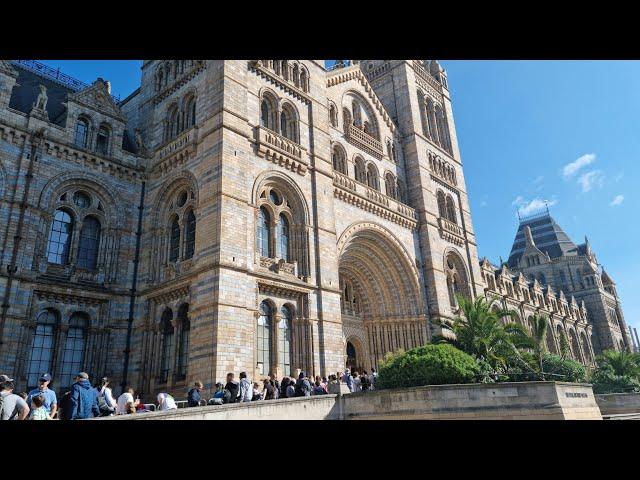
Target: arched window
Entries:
(304, 80)
(60, 238)
(390, 185)
(289, 123)
(74, 346)
(451, 210)
(402, 194)
(89, 243)
(361, 174)
(296, 76)
(166, 360)
(456, 278)
(82, 133)
(183, 345)
(339, 160)
(284, 341)
(190, 235)
(264, 232)
(346, 119)
(443, 129)
(268, 113)
(42, 347)
(333, 115)
(283, 237)
(263, 339)
(173, 122)
(431, 118)
(102, 141)
(190, 113)
(442, 204)
(372, 177)
(174, 241)
(357, 114)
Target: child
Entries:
(39, 412)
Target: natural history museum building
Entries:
(259, 216)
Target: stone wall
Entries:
(618, 403)
(506, 401)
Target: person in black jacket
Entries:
(193, 397)
(233, 389)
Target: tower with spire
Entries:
(542, 250)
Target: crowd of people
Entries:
(84, 401)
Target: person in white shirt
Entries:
(166, 402)
(124, 399)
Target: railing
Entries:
(368, 194)
(450, 231)
(178, 144)
(279, 142)
(365, 141)
(449, 226)
(56, 75)
(426, 76)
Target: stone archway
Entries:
(381, 301)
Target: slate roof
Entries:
(548, 237)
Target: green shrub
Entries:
(571, 370)
(427, 365)
(605, 380)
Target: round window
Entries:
(81, 199)
(275, 198)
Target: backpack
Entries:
(226, 398)
(301, 387)
(365, 383)
(105, 411)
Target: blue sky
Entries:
(529, 131)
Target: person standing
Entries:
(48, 395)
(106, 402)
(232, 389)
(372, 378)
(84, 398)
(194, 397)
(12, 407)
(348, 379)
(246, 390)
(291, 388)
(268, 390)
(303, 386)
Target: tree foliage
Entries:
(616, 372)
(427, 365)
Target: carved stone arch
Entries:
(339, 164)
(356, 227)
(286, 184)
(171, 187)
(49, 197)
(347, 101)
(457, 274)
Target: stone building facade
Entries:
(262, 215)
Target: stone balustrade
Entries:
(450, 231)
(371, 200)
(182, 141)
(363, 140)
(281, 150)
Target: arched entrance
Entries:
(381, 301)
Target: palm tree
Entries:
(536, 340)
(480, 332)
(622, 362)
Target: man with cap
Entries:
(13, 406)
(84, 398)
(50, 401)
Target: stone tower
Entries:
(543, 251)
(416, 95)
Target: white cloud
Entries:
(572, 168)
(618, 199)
(594, 178)
(526, 207)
